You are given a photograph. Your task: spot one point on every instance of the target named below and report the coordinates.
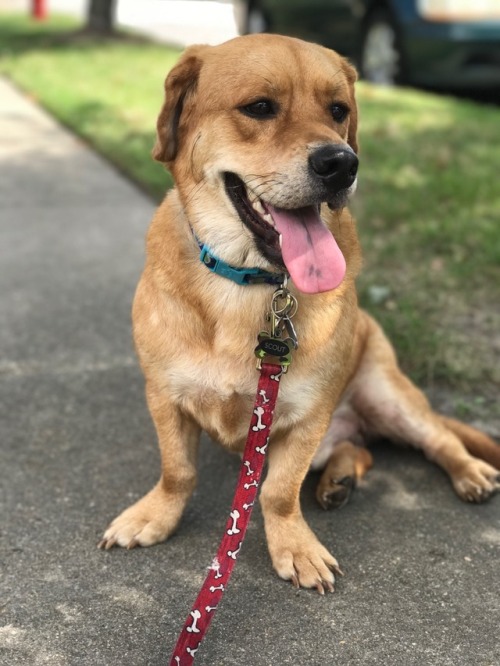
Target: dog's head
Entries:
(258, 133)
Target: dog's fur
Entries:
(195, 332)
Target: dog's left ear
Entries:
(180, 87)
(352, 134)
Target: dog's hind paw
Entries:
(334, 493)
(476, 481)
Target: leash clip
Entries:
(276, 346)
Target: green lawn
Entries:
(428, 203)
(108, 92)
(429, 216)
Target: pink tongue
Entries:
(309, 250)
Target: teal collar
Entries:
(243, 276)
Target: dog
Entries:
(260, 134)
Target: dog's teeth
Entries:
(267, 217)
(261, 211)
(258, 207)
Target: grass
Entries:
(107, 91)
(428, 203)
(429, 211)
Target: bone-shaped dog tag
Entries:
(273, 349)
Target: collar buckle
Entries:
(242, 276)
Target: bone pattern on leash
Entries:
(214, 588)
(259, 412)
(264, 397)
(262, 449)
(196, 615)
(219, 572)
(234, 553)
(216, 567)
(234, 529)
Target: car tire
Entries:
(381, 58)
(256, 20)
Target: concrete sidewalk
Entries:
(77, 446)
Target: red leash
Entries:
(213, 588)
(273, 353)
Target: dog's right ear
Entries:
(180, 85)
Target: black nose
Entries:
(335, 164)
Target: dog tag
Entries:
(273, 349)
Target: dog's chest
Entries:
(214, 390)
(219, 393)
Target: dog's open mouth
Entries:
(296, 239)
(254, 217)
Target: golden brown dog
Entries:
(260, 136)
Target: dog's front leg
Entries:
(154, 517)
(296, 553)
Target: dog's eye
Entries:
(339, 112)
(261, 109)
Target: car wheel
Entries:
(381, 56)
(256, 20)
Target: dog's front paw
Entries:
(149, 521)
(297, 555)
(476, 481)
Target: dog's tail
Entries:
(476, 442)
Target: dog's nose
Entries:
(336, 165)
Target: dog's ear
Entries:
(352, 134)
(180, 86)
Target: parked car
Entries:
(446, 44)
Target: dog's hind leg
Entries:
(392, 407)
(476, 442)
(345, 467)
